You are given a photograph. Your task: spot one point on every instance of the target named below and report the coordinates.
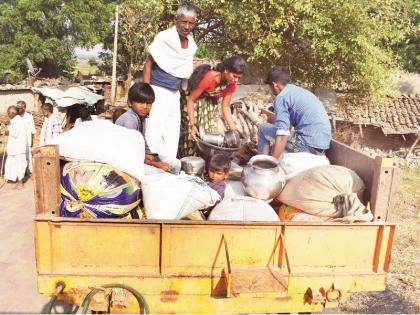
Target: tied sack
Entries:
(294, 163)
(243, 209)
(327, 191)
(102, 141)
(170, 197)
(96, 190)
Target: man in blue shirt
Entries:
(298, 108)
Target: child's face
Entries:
(217, 175)
(141, 109)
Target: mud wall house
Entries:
(391, 125)
(11, 94)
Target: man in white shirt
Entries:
(16, 164)
(30, 131)
(51, 126)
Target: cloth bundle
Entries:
(329, 191)
(96, 190)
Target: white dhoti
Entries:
(29, 160)
(163, 124)
(15, 167)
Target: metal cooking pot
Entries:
(208, 149)
(232, 138)
(192, 165)
(213, 138)
(263, 178)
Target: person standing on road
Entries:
(170, 61)
(16, 164)
(51, 126)
(30, 132)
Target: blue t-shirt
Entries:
(131, 120)
(161, 78)
(298, 107)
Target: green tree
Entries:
(139, 22)
(48, 31)
(332, 43)
(410, 49)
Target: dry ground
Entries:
(403, 286)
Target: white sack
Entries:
(243, 209)
(169, 197)
(104, 142)
(234, 188)
(294, 163)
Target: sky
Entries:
(94, 52)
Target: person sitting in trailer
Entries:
(294, 107)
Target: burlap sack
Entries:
(326, 191)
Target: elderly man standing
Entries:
(16, 164)
(51, 126)
(298, 108)
(30, 131)
(169, 62)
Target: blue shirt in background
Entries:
(298, 107)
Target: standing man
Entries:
(298, 108)
(30, 131)
(16, 164)
(51, 126)
(170, 61)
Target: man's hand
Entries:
(279, 145)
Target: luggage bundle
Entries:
(96, 190)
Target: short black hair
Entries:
(84, 113)
(219, 162)
(141, 93)
(48, 106)
(278, 75)
(117, 113)
(23, 103)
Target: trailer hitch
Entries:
(59, 288)
(328, 298)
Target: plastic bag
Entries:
(101, 141)
(243, 209)
(167, 196)
(294, 163)
(96, 190)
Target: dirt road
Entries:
(18, 293)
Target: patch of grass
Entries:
(84, 67)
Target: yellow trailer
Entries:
(212, 267)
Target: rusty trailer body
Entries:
(218, 266)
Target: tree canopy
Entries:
(351, 45)
(47, 32)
